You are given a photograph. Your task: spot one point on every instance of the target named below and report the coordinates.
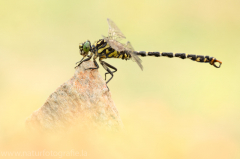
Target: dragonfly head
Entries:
(85, 48)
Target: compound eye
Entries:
(86, 47)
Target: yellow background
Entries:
(174, 108)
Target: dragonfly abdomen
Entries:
(198, 58)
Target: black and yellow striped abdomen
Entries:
(198, 58)
(104, 50)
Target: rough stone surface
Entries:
(84, 100)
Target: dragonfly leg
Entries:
(112, 67)
(80, 62)
(105, 66)
(96, 64)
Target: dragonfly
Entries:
(111, 47)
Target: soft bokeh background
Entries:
(173, 109)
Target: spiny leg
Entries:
(95, 62)
(85, 60)
(80, 62)
(105, 66)
(107, 69)
(97, 66)
(112, 67)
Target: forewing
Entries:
(114, 36)
(114, 44)
(134, 57)
(114, 33)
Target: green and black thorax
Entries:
(103, 50)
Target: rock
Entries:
(82, 101)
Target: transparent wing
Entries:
(114, 33)
(115, 44)
(134, 57)
(114, 36)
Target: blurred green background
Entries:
(172, 109)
